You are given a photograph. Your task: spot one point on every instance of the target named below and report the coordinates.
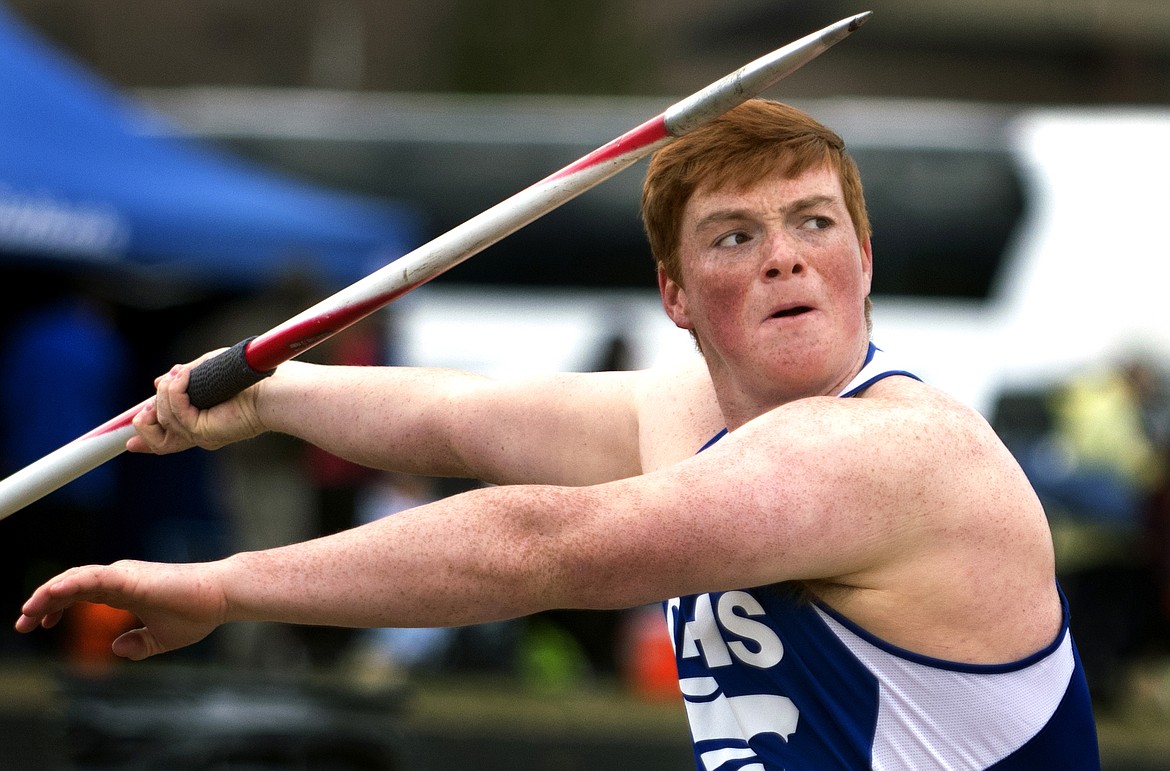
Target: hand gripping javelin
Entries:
(219, 378)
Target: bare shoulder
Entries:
(927, 445)
(923, 419)
(941, 500)
(900, 477)
(895, 415)
(959, 462)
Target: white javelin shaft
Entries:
(63, 465)
(353, 303)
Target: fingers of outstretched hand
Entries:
(50, 601)
(28, 623)
(177, 605)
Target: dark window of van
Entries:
(942, 218)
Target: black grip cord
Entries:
(223, 376)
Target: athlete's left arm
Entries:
(820, 488)
(816, 489)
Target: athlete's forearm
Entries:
(486, 555)
(399, 418)
(571, 428)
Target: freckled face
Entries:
(774, 282)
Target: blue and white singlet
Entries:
(773, 681)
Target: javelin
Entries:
(221, 377)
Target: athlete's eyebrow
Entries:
(720, 216)
(735, 214)
(813, 202)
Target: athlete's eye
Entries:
(733, 239)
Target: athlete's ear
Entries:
(674, 300)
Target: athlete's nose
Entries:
(782, 259)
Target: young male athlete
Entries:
(855, 572)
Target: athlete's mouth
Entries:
(796, 310)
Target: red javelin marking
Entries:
(113, 424)
(648, 133)
(269, 351)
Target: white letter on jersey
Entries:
(771, 650)
(703, 633)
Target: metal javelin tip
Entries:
(755, 77)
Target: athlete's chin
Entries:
(811, 358)
(795, 345)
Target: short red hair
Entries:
(757, 139)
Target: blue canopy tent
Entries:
(157, 225)
(88, 181)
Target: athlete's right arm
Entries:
(572, 428)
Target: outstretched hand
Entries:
(170, 423)
(177, 604)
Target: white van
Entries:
(1085, 277)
